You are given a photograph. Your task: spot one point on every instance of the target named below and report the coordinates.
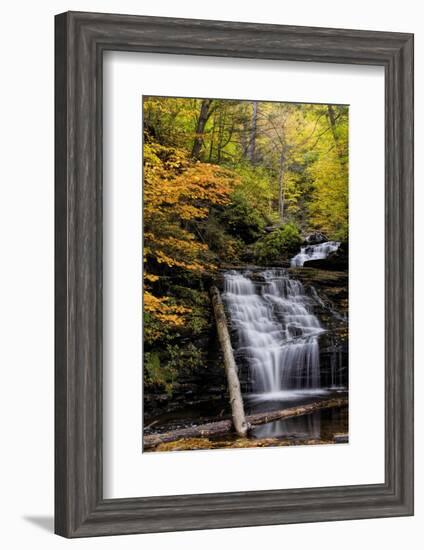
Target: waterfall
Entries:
(314, 252)
(276, 330)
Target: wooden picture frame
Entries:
(81, 39)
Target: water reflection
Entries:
(322, 424)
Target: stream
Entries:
(286, 356)
(276, 331)
(314, 252)
(276, 340)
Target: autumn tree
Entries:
(228, 181)
(177, 193)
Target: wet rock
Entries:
(331, 286)
(335, 261)
(316, 238)
(331, 263)
(273, 227)
(329, 290)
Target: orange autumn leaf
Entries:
(177, 191)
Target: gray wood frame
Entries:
(81, 39)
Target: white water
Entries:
(276, 330)
(314, 252)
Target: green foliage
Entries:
(242, 219)
(215, 234)
(255, 186)
(216, 173)
(163, 368)
(198, 320)
(279, 245)
(170, 352)
(195, 303)
(186, 357)
(329, 203)
(156, 374)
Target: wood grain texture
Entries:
(80, 509)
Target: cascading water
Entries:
(314, 252)
(277, 332)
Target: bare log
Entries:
(300, 410)
(236, 400)
(223, 427)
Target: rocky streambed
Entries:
(322, 296)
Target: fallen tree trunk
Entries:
(300, 410)
(236, 400)
(222, 427)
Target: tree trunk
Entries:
(204, 115)
(281, 188)
(332, 118)
(236, 401)
(221, 127)
(222, 427)
(252, 138)
(211, 146)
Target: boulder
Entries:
(316, 238)
(335, 261)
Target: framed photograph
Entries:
(234, 274)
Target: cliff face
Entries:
(331, 286)
(205, 389)
(331, 291)
(336, 261)
(202, 390)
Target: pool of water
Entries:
(320, 425)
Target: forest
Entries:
(227, 184)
